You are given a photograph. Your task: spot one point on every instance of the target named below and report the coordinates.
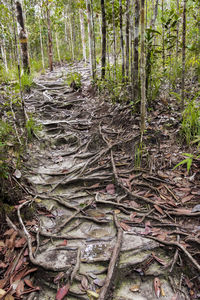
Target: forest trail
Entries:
(93, 206)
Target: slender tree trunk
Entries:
(143, 93)
(163, 39)
(121, 39)
(103, 56)
(177, 29)
(108, 55)
(3, 53)
(153, 20)
(83, 34)
(18, 61)
(90, 35)
(50, 45)
(93, 39)
(23, 38)
(149, 50)
(127, 36)
(71, 37)
(132, 9)
(114, 38)
(41, 44)
(183, 54)
(66, 30)
(136, 52)
(57, 47)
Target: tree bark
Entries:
(121, 38)
(90, 36)
(149, 50)
(114, 38)
(83, 34)
(177, 29)
(3, 52)
(136, 52)
(163, 39)
(103, 56)
(143, 93)
(23, 38)
(57, 48)
(183, 55)
(93, 39)
(41, 44)
(127, 36)
(50, 45)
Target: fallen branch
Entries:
(104, 293)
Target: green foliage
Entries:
(36, 65)
(26, 82)
(139, 152)
(7, 77)
(32, 127)
(188, 160)
(74, 77)
(190, 126)
(6, 134)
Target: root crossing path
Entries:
(92, 222)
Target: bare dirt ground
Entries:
(103, 217)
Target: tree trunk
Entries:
(23, 38)
(93, 40)
(163, 39)
(83, 34)
(90, 35)
(57, 48)
(183, 55)
(41, 44)
(114, 38)
(127, 36)
(149, 50)
(143, 94)
(50, 45)
(177, 29)
(121, 38)
(71, 37)
(153, 21)
(3, 53)
(103, 56)
(136, 52)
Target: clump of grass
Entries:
(74, 77)
(190, 126)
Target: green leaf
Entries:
(189, 163)
(181, 163)
(188, 155)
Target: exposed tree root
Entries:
(104, 293)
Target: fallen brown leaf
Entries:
(157, 287)
(125, 226)
(20, 288)
(62, 292)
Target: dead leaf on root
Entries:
(110, 189)
(125, 226)
(84, 282)
(62, 292)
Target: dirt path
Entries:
(94, 209)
